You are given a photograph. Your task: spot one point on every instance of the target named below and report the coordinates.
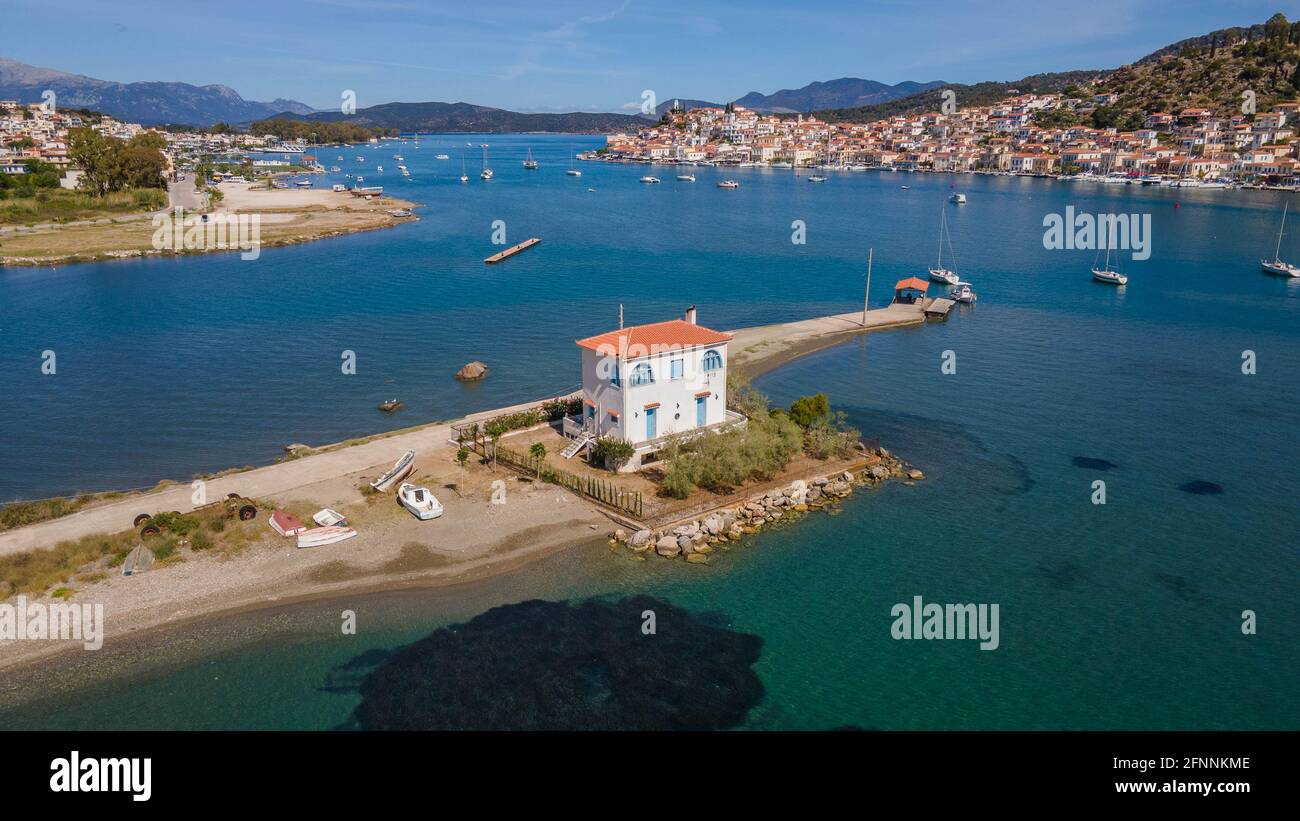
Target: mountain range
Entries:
(464, 117)
(149, 103)
(846, 92)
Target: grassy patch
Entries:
(63, 205)
(39, 570)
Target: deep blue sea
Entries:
(1122, 615)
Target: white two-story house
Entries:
(648, 382)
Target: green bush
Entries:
(164, 549)
(176, 522)
(677, 481)
(807, 411)
(612, 451)
(200, 540)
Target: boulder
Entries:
(667, 546)
(846, 476)
(296, 447)
(685, 545)
(619, 535)
(880, 472)
(915, 474)
(472, 371)
(697, 558)
(713, 525)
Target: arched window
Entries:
(642, 375)
(712, 361)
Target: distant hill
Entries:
(464, 117)
(1212, 71)
(846, 92)
(146, 103)
(977, 94)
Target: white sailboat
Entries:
(486, 173)
(1108, 276)
(530, 163)
(939, 273)
(463, 176)
(572, 172)
(1276, 266)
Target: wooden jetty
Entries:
(938, 308)
(512, 250)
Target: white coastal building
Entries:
(647, 383)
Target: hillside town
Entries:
(1019, 135)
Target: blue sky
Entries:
(556, 55)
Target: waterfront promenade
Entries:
(754, 350)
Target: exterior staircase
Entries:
(585, 439)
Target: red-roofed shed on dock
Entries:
(909, 291)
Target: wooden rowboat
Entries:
(399, 471)
(319, 536)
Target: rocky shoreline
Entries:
(695, 539)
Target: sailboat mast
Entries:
(943, 216)
(1278, 250)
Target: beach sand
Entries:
(287, 216)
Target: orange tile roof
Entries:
(640, 340)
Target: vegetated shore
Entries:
(286, 216)
(258, 569)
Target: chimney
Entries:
(690, 315)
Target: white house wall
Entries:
(675, 397)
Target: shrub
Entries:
(218, 524)
(62, 593)
(807, 411)
(176, 522)
(677, 481)
(613, 451)
(164, 549)
(200, 540)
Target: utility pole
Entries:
(866, 295)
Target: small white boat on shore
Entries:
(319, 536)
(422, 504)
(728, 184)
(285, 523)
(399, 471)
(329, 517)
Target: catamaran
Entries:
(1276, 265)
(530, 163)
(1106, 275)
(939, 273)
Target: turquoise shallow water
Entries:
(1122, 615)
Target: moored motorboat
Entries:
(962, 292)
(422, 504)
(399, 471)
(728, 184)
(392, 404)
(319, 536)
(649, 179)
(957, 198)
(686, 177)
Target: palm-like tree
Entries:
(538, 452)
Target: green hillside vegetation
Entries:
(1213, 71)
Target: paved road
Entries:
(184, 194)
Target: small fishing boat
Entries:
(1276, 266)
(962, 292)
(137, 561)
(529, 162)
(441, 157)
(1106, 275)
(422, 504)
(379, 169)
(303, 183)
(905, 187)
(334, 169)
(285, 523)
(329, 517)
(360, 158)
(728, 184)
(320, 536)
(391, 405)
(649, 180)
(957, 198)
(686, 177)
(816, 178)
(399, 471)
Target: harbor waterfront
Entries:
(1122, 615)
